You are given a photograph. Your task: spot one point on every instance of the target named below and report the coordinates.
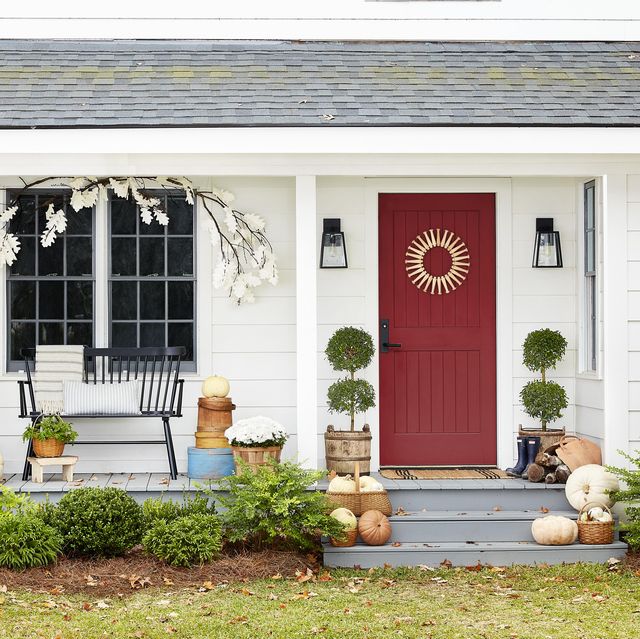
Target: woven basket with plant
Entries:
(49, 434)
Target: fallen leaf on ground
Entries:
(136, 581)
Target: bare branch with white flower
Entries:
(246, 257)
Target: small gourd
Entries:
(554, 531)
(369, 484)
(215, 386)
(374, 528)
(342, 485)
(590, 483)
(346, 518)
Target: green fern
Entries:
(27, 542)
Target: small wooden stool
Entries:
(38, 465)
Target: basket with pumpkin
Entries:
(358, 494)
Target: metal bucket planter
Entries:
(343, 448)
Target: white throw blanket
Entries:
(54, 364)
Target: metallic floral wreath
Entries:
(419, 275)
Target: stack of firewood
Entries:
(548, 468)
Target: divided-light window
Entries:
(590, 281)
(150, 278)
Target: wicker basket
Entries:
(348, 540)
(358, 502)
(595, 532)
(255, 456)
(48, 448)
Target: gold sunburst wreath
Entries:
(418, 274)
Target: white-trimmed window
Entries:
(590, 283)
(150, 281)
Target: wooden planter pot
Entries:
(547, 437)
(255, 457)
(344, 448)
(48, 448)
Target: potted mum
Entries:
(49, 435)
(349, 349)
(254, 440)
(542, 399)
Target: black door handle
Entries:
(385, 344)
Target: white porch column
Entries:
(306, 322)
(615, 316)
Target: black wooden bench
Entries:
(158, 371)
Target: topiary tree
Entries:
(542, 399)
(350, 349)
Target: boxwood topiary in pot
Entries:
(350, 349)
(542, 399)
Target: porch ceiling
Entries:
(166, 83)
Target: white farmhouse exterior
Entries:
(530, 122)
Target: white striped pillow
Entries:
(81, 398)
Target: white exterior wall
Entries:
(633, 254)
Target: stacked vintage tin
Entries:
(211, 458)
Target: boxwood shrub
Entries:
(98, 522)
(156, 508)
(185, 541)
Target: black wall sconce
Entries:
(547, 252)
(333, 251)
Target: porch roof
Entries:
(178, 83)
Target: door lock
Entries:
(385, 344)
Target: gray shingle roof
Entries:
(126, 83)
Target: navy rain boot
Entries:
(521, 464)
(533, 446)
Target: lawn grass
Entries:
(567, 602)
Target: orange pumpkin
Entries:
(374, 528)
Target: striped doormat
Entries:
(444, 473)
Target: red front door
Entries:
(437, 298)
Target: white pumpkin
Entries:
(554, 531)
(342, 485)
(215, 386)
(590, 483)
(345, 517)
(370, 485)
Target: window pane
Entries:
(151, 256)
(152, 334)
(50, 258)
(23, 335)
(590, 207)
(180, 256)
(23, 300)
(79, 222)
(80, 333)
(180, 216)
(51, 333)
(124, 335)
(123, 216)
(24, 221)
(124, 300)
(51, 300)
(151, 229)
(590, 251)
(152, 300)
(123, 256)
(181, 334)
(80, 300)
(180, 300)
(25, 263)
(79, 257)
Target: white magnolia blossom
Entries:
(255, 431)
(246, 258)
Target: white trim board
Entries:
(504, 290)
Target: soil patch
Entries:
(137, 570)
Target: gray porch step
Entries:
(463, 554)
(452, 526)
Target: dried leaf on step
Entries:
(544, 509)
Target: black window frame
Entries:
(14, 365)
(187, 365)
(590, 265)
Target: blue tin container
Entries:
(209, 463)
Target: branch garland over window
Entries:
(246, 257)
